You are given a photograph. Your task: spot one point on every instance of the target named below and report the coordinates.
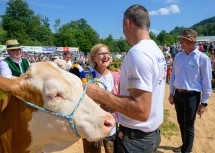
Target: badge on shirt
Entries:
(192, 65)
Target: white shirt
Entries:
(144, 68)
(108, 80)
(192, 72)
(1, 58)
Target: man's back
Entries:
(144, 68)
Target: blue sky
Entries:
(105, 16)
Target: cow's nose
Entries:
(109, 123)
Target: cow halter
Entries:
(69, 116)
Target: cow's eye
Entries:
(58, 95)
(54, 95)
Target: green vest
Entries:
(14, 67)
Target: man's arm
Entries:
(137, 106)
(171, 86)
(206, 76)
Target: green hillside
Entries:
(204, 28)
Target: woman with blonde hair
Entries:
(99, 59)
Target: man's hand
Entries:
(201, 110)
(171, 99)
(93, 91)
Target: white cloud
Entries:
(172, 9)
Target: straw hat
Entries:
(13, 44)
(189, 34)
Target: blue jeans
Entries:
(186, 105)
(136, 141)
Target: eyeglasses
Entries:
(103, 53)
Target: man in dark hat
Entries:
(14, 65)
(190, 87)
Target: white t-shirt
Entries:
(144, 68)
(108, 80)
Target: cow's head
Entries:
(46, 85)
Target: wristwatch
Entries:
(204, 104)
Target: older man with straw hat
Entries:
(190, 87)
(14, 65)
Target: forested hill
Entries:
(205, 22)
(205, 27)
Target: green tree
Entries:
(165, 38)
(3, 35)
(153, 36)
(16, 19)
(176, 32)
(66, 37)
(21, 24)
(109, 41)
(39, 34)
(77, 34)
(122, 45)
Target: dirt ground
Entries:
(204, 131)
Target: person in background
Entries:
(68, 58)
(100, 59)
(142, 84)
(201, 48)
(169, 62)
(213, 70)
(14, 65)
(191, 76)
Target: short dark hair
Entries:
(66, 53)
(138, 15)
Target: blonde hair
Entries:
(93, 52)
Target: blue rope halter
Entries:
(69, 116)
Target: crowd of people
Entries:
(170, 51)
(135, 96)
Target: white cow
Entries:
(24, 129)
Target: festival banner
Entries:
(32, 49)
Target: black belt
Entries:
(133, 133)
(185, 91)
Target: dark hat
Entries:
(189, 34)
(12, 44)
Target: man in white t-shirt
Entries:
(142, 86)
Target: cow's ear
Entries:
(62, 64)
